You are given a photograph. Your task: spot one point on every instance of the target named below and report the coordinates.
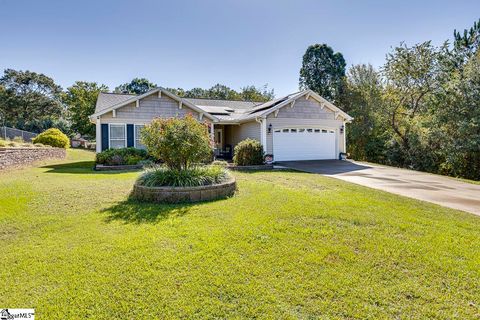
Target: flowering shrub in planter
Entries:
(178, 142)
(182, 144)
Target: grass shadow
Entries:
(133, 211)
(81, 167)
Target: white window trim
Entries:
(110, 133)
(135, 133)
(304, 127)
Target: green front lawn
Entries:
(289, 245)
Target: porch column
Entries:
(212, 131)
(263, 134)
(98, 136)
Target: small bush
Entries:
(53, 137)
(123, 156)
(160, 176)
(18, 140)
(3, 143)
(248, 152)
(133, 159)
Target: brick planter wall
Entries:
(17, 157)
(189, 194)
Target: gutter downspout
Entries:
(263, 132)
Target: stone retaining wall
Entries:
(189, 194)
(17, 157)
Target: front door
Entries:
(218, 139)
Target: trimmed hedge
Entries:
(123, 156)
(53, 137)
(248, 152)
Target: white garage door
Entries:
(303, 144)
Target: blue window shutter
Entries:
(130, 137)
(104, 136)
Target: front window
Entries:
(138, 142)
(117, 136)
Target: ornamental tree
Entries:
(178, 142)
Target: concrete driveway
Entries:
(434, 188)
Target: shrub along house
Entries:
(299, 126)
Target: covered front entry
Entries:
(304, 144)
(223, 142)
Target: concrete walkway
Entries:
(434, 188)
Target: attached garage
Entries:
(311, 143)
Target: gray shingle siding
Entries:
(150, 107)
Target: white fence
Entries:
(12, 133)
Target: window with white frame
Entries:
(138, 142)
(118, 136)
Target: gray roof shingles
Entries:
(224, 110)
(106, 100)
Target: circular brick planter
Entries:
(187, 194)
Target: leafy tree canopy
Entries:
(136, 86)
(323, 71)
(80, 99)
(223, 92)
(422, 110)
(411, 74)
(368, 133)
(28, 97)
(252, 93)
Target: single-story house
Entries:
(299, 126)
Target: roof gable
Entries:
(261, 111)
(121, 102)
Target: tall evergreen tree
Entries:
(468, 41)
(323, 71)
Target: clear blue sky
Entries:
(199, 43)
